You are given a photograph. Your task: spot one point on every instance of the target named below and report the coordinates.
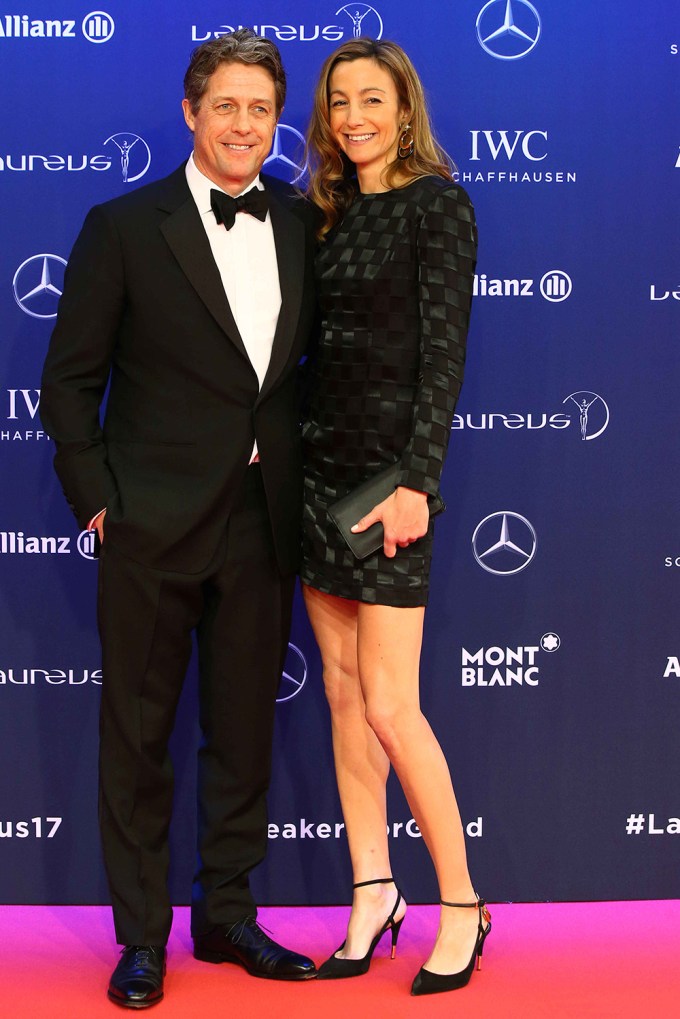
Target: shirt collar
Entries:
(200, 186)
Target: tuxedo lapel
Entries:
(188, 241)
(289, 238)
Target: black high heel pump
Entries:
(334, 968)
(432, 983)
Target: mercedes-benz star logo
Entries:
(294, 675)
(516, 36)
(591, 422)
(125, 143)
(358, 14)
(287, 157)
(499, 545)
(38, 284)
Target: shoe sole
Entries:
(218, 957)
(133, 1004)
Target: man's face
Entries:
(234, 126)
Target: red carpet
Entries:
(612, 959)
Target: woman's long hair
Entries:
(332, 185)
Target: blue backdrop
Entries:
(551, 666)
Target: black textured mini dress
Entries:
(395, 285)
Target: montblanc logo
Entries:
(132, 160)
(588, 416)
(516, 157)
(20, 543)
(506, 666)
(96, 27)
(554, 286)
(352, 21)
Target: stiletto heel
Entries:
(432, 983)
(334, 968)
(396, 927)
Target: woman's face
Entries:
(365, 113)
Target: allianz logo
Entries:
(19, 543)
(96, 27)
(15, 26)
(554, 286)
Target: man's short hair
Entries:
(240, 47)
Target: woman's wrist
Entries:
(412, 491)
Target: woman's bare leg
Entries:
(361, 767)
(388, 650)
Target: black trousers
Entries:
(240, 608)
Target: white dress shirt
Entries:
(246, 259)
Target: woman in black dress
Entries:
(394, 272)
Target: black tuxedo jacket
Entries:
(144, 311)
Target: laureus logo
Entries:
(365, 20)
(593, 413)
(135, 155)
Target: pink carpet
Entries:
(607, 960)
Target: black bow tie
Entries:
(225, 207)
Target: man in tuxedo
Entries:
(192, 298)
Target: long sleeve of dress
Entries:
(446, 243)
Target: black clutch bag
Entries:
(351, 508)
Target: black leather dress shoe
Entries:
(137, 980)
(245, 943)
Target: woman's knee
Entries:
(341, 684)
(391, 720)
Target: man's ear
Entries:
(188, 115)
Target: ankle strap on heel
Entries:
(480, 904)
(375, 881)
